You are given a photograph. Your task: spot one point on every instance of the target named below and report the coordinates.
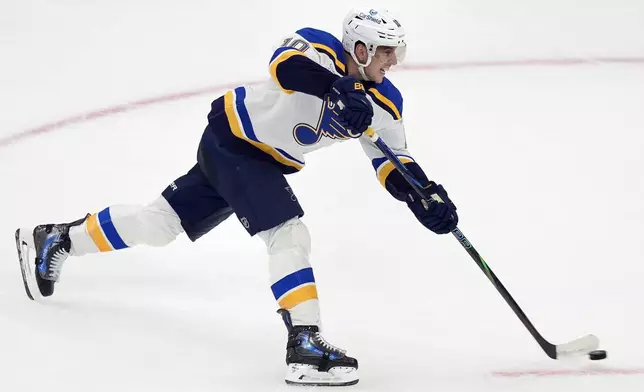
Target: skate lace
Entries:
(318, 339)
(56, 264)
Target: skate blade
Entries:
(25, 243)
(301, 374)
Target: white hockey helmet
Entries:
(372, 27)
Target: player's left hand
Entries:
(355, 110)
(436, 212)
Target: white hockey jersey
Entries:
(288, 124)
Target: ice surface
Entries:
(544, 163)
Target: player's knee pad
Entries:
(158, 223)
(155, 224)
(291, 237)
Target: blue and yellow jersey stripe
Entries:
(327, 44)
(281, 54)
(295, 288)
(384, 167)
(103, 233)
(387, 96)
(242, 127)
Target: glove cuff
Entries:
(399, 188)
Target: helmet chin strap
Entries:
(363, 73)
(361, 67)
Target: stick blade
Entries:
(581, 346)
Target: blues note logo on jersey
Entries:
(327, 126)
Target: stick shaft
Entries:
(549, 348)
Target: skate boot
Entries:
(311, 360)
(51, 246)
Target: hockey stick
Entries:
(579, 346)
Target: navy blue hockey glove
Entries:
(438, 216)
(353, 108)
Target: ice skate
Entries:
(42, 252)
(310, 360)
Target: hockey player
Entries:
(321, 91)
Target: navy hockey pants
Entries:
(231, 176)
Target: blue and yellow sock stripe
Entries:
(242, 127)
(384, 167)
(102, 231)
(295, 288)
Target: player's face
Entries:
(382, 60)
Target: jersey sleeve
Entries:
(388, 123)
(306, 62)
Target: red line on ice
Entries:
(445, 66)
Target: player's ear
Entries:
(361, 52)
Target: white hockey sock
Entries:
(291, 275)
(123, 226)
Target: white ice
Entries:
(544, 163)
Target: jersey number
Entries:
(296, 43)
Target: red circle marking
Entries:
(438, 66)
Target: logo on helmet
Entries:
(372, 16)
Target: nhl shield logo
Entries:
(244, 222)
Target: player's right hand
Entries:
(436, 212)
(354, 109)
